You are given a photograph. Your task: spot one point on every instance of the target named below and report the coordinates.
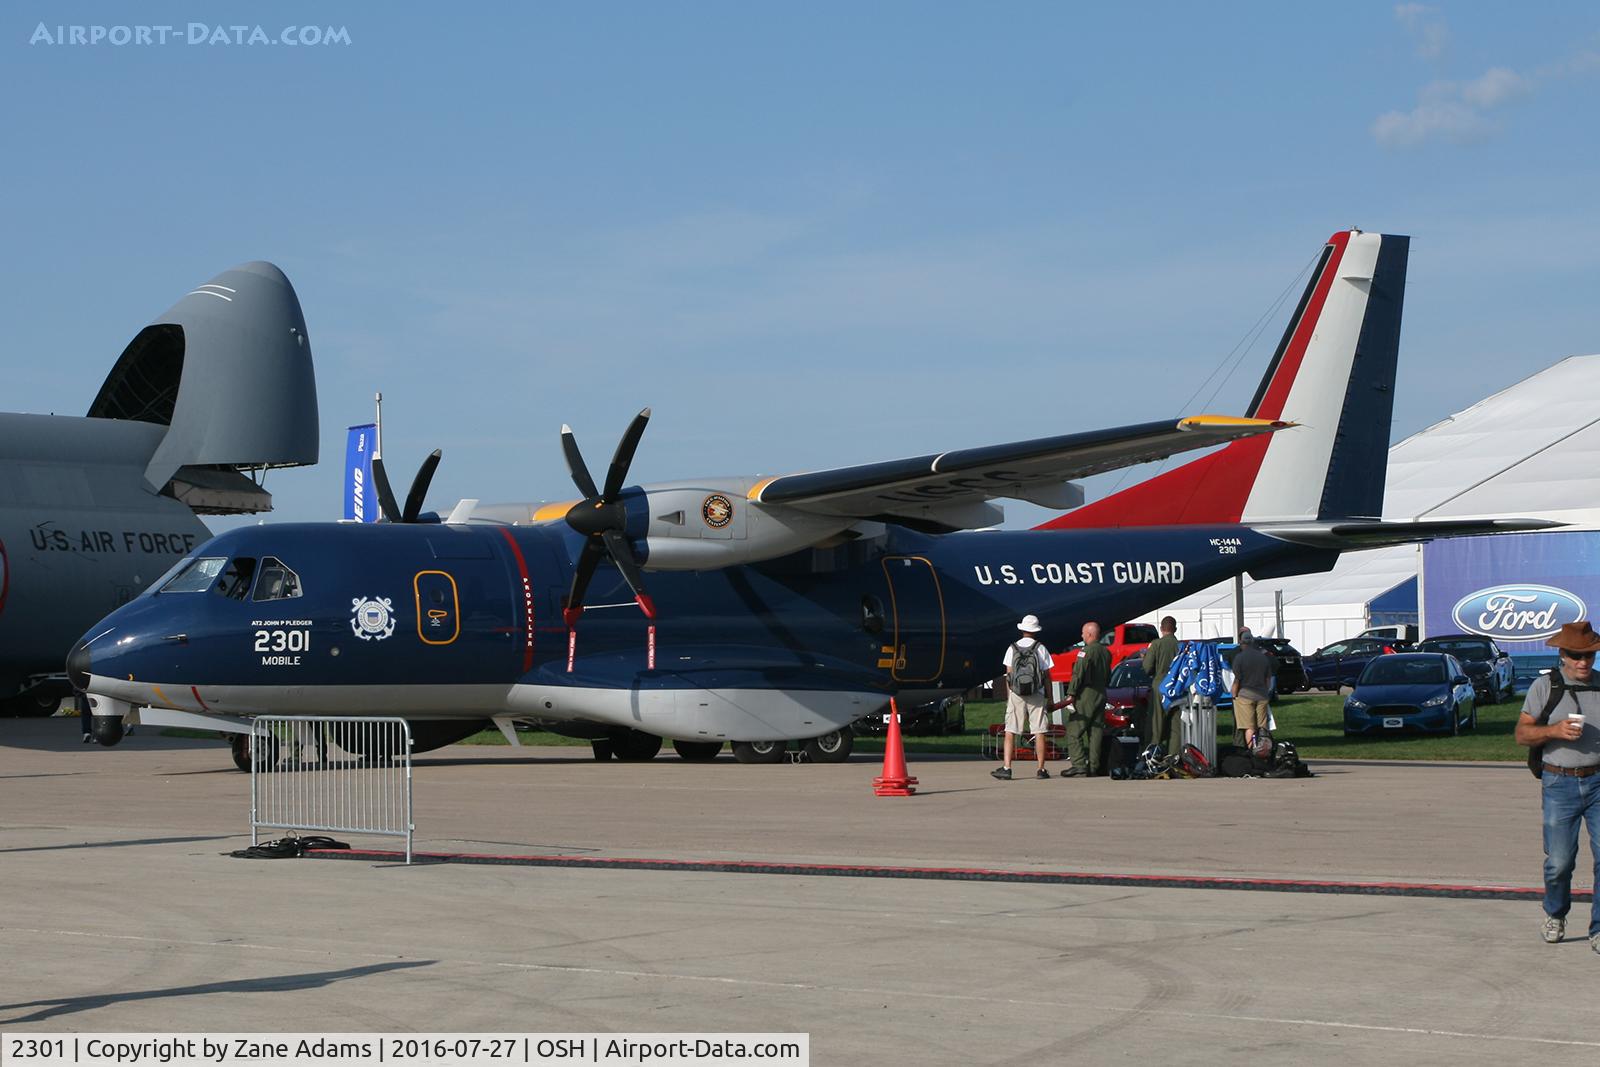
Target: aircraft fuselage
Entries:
(434, 621)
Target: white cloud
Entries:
(1462, 111)
(1451, 120)
(1424, 23)
(1454, 111)
(1495, 87)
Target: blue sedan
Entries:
(1412, 691)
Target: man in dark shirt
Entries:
(1252, 689)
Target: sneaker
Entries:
(1554, 930)
(1074, 772)
(1594, 943)
(1002, 773)
(1041, 773)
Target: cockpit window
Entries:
(276, 581)
(197, 577)
(235, 581)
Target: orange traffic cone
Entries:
(895, 782)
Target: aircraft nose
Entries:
(78, 666)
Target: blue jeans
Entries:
(1568, 802)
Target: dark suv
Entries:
(920, 713)
(1286, 663)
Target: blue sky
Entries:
(805, 235)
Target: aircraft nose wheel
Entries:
(240, 745)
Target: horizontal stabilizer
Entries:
(1343, 535)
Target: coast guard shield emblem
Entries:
(372, 619)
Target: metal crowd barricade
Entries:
(334, 774)
(1198, 719)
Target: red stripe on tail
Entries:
(1212, 489)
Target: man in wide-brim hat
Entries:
(1570, 783)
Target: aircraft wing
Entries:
(948, 487)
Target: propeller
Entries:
(419, 489)
(602, 518)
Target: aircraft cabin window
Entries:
(276, 581)
(197, 577)
(235, 581)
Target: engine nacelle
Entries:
(695, 526)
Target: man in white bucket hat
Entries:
(1028, 665)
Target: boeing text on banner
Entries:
(360, 505)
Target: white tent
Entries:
(1530, 451)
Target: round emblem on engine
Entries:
(372, 619)
(717, 510)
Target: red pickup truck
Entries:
(1128, 639)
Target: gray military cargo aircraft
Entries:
(200, 404)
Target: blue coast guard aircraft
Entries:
(770, 611)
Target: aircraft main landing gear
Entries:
(759, 751)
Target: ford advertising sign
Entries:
(1516, 588)
(1517, 612)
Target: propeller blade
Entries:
(588, 560)
(622, 556)
(386, 502)
(575, 464)
(419, 486)
(624, 456)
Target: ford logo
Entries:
(1517, 612)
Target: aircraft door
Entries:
(917, 619)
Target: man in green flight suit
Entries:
(1162, 727)
(1086, 725)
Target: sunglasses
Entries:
(1577, 655)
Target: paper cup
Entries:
(1577, 719)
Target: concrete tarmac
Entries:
(122, 912)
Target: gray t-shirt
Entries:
(1252, 669)
(1585, 751)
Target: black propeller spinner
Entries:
(602, 518)
(419, 489)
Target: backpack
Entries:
(1025, 674)
(1286, 762)
(1193, 763)
(1238, 763)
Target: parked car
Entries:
(1342, 662)
(1290, 676)
(1406, 633)
(1491, 670)
(920, 713)
(1411, 691)
(1127, 693)
(1127, 639)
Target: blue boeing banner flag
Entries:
(360, 501)
(1198, 669)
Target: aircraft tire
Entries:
(759, 751)
(239, 745)
(830, 748)
(636, 746)
(697, 751)
(602, 750)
